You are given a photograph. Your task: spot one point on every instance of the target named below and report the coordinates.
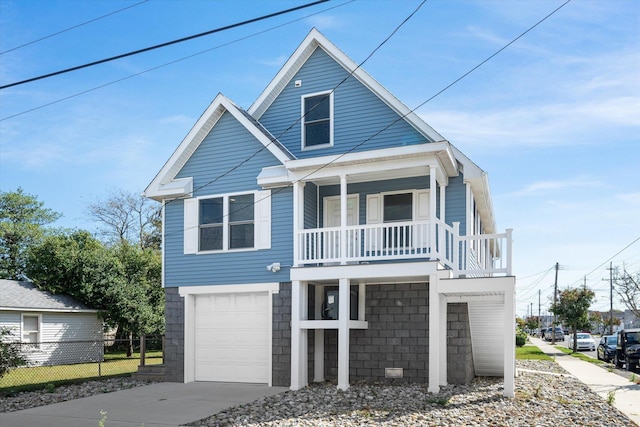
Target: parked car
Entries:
(628, 349)
(607, 347)
(584, 342)
(559, 334)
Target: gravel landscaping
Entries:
(545, 396)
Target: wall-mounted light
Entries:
(274, 267)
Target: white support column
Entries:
(298, 218)
(299, 375)
(470, 212)
(434, 336)
(318, 347)
(343, 333)
(343, 219)
(442, 302)
(509, 344)
(432, 210)
(443, 206)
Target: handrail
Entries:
(476, 255)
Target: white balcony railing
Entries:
(479, 255)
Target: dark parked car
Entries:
(628, 348)
(607, 347)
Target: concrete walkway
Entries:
(627, 394)
(155, 405)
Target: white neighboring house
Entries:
(55, 329)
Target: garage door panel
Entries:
(232, 337)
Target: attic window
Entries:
(317, 124)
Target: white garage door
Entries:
(232, 337)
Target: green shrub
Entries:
(520, 340)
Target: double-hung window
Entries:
(30, 328)
(226, 222)
(317, 123)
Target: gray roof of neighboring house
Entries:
(26, 296)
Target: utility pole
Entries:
(539, 325)
(611, 298)
(555, 301)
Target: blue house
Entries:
(329, 233)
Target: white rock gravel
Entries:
(541, 400)
(31, 399)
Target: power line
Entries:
(276, 138)
(170, 63)
(394, 121)
(158, 46)
(611, 257)
(73, 27)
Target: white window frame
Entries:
(261, 222)
(303, 121)
(23, 331)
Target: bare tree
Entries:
(128, 217)
(627, 286)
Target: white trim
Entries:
(50, 310)
(272, 287)
(261, 203)
(303, 146)
(164, 184)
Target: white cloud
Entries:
(324, 22)
(546, 186)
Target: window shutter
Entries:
(422, 205)
(421, 232)
(191, 226)
(374, 208)
(262, 227)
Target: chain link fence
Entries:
(60, 361)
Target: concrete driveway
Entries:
(155, 405)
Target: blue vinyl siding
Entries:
(230, 267)
(455, 203)
(310, 205)
(227, 145)
(358, 113)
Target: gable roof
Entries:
(16, 295)
(316, 40)
(164, 185)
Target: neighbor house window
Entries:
(317, 126)
(31, 328)
(226, 222)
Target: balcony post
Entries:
(343, 219)
(298, 215)
(344, 295)
(432, 211)
(509, 250)
(455, 250)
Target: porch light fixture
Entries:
(274, 267)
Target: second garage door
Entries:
(232, 337)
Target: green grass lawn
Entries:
(530, 352)
(579, 355)
(115, 364)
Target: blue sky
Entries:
(554, 119)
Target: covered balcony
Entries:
(471, 256)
